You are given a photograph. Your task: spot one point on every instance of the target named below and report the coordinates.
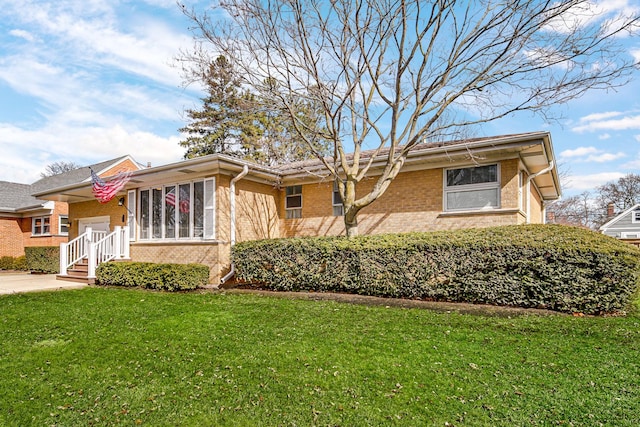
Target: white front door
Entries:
(97, 223)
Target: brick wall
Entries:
(11, 243)
(413, 202)
(535, 214)
(212, 254)
(124, 166)
(89, 209)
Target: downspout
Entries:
(232, 219)
(529, 179)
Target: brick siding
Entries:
(413, 202)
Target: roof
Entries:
(533, 148)
(618, 217)
(15, 197)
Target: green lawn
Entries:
(129, 357)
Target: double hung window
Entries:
(293, 202)
(472, 188)
(63, 224)
(338, 208)
(41, 226)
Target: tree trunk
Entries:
(351, 222)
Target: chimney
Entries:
(551, 217)
(610, 210)
(148, 164)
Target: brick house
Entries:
(194, 210)
(26, 220)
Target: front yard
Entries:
(129, 357)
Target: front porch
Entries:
(81, 256)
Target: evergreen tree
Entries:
(234, 121)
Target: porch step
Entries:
(76, 279)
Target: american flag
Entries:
(103, 190)
(170, 197)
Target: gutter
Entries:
(531, 178)
(232, 219)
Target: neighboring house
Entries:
(624, 226)
(27, 221)
(194, 210)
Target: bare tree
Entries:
(390, 74)
(579, 210)
(56, 168)
(623, 194)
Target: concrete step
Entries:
(76, 279)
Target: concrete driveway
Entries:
(11, 283)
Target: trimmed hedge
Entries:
(43, 259)
(555, 267)
(13, 263)
(166, 277)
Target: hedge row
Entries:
(43, 259)
(536, 266)
(166, 277)
(13, 263)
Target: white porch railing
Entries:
(97, 247)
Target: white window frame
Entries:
(208, 212)
(60, 222)
(293, 212)
(338, 208)
(471, 188)
(132, 221)
(42, 225)
(635, 216)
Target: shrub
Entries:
(541, 266)
(6, 263)
(167, 277)
(20, 263)
(43, 259)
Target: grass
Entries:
(129, 357)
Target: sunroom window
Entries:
(472, 188)
(177, 211)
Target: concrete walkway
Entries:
(11, 283)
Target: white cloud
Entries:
(604, 136)
(23, 35)
(606, 121)
(605, 157)
(590, 155)
(579, 152)
(590, 182)
(80, 145)
(600, 116)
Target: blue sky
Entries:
(90, 80)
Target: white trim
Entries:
(495, 185)
(209, 231)
(208, 212)
(60, 232)
(94, 220)
(131, 214)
